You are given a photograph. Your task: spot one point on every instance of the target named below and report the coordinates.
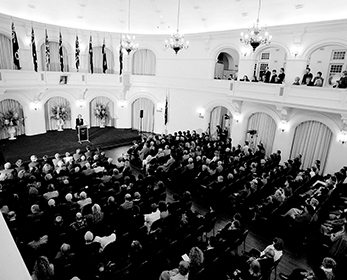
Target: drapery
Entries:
(148, 115)
(94, 121)
(312, 140)
(54, 56)
(51, 124)
(144, 62)
(97, 60)
(266, 129)
(5, 53)
(10, 104)
(217, 117)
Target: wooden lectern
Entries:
(83, 134)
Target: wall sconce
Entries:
(35, 105)
(343, 137)
(122, 103)
(80, 103)
(244, 52)
(283, 126)
(201, 112)
(160, 107)
(295, 51)
(237, 117)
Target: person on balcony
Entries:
(307, 74)
(342, 83)
(281, 76)
(318, 80)
(273, 77)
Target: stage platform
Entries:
(64, 141)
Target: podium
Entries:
(83, 134)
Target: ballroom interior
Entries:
(184, 89)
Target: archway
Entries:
(144, 63)
(6, 53)
(227, 64)
(12, 108)
(312, 140)
(330, 60)
(106, 103)
(222, 117)
(57, 106)
(54, 64)
(143, 115)
(261, 127)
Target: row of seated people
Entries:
(83, 229)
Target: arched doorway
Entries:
(54, 105)
(143, 115)
(261, 127)
(227, 64)
(220, 116)
(9, 108)
(107, 104)
(312, 140)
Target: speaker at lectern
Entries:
(83, 134)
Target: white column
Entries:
(246, 67)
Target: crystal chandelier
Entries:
(254, 36)
(128, 42)
(176, 41)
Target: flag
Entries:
(48, 52)
(61, 56)
(120, 59)
(15, 48)
(33, 49)
(104, 59)
(166, 114)
(77, 54)
(91, 55)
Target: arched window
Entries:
(265, 128)
(145, 108)
(311, 140)
(222, 117)
(98, 60)
(108, 104)
(54, 57)
(16, 107)
(144, 63)
(6, 61)
(51, 123)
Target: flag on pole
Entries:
(15, 48)
(33, 48)
(48, 52)
(120, 58)
(61, 55)
(77, 53)
(166, 114)
(91, 55)
(104, 59)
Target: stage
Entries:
(64, 141)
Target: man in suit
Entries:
(267, 74)
(79, 122)
(273, 77)
(307, 74)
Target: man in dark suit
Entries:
(273, 77)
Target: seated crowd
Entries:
(91, 218)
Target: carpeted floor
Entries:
(66, 141)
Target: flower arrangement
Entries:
(9, 119)
(61, 112)
(100, 111)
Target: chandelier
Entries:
(254, 36)
(128, 42)
(176, 41)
